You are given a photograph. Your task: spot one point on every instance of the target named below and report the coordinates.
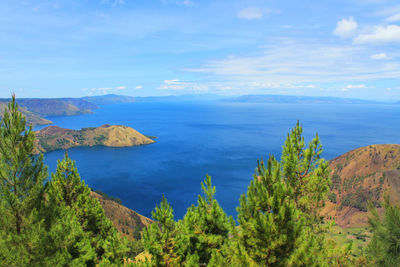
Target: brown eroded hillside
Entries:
(128, 222)
(360, 176)
(54, 137)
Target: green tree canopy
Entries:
(279, 217)
(22, 175)
(205, 228)
(384, 247)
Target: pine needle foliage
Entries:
(66, 189)
(279, 217)
(159, 239)
(22, 175)
(384, 247)
(205, 228)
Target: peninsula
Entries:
(55, 138)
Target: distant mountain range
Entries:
(296, 99)
(35, 109)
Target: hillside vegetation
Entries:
(359, 176)
(35, 109)
(54, 137)
(128, 222)
(31, 117)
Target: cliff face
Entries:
(360, 176)
(54, 138)
(128, 222)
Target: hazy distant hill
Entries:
(295, 99)
(35, 109)
(359, 176)
(31, 117)
(109, 99)
(54, 138)
(179, 98)
(57, 106)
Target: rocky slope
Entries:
(128, 222)
(360, 176)
(54, 138)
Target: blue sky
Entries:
(56, 48)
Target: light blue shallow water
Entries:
(220, 139)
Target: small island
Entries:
(55, 138)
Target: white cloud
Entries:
(379, 56)
(187, 2)
(113, 3)
(178, 85)
(287, 63)
(354, 86)
(251, 13)
(394, 18)
(380, 34)
(178, 2)
(138, 87)
(346, 28)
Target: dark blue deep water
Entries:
(220, 139)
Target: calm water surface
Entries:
(220, 139)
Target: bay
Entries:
(224, 140)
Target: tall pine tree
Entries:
(205, 228)
(66, 189)
(22, 175)
(279, 217)
(159, 238)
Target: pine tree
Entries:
(22, 175)
(306, 173)
(66, 189)
(279, 217)
(205, 228)
(159, 238)
(384, 247)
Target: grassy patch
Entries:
(359, 236)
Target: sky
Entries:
(59, 48)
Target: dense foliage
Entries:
(48, 223)
(57, 223)
(384, 248)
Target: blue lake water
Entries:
(223, 140)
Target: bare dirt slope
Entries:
(360, 176)
(128, 222)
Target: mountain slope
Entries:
(57, 106)
(360, 176)
(31, 117)
(54, 137)
(128, 222)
